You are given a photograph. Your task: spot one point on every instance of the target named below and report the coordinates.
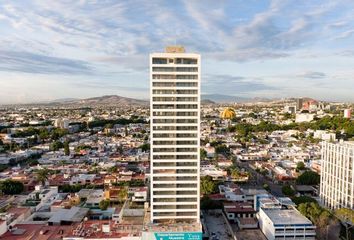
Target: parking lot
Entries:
(217, 227)
(250, 234)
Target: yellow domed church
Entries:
(228, 113)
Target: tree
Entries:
(308, 178)
(82, 147)
(58, 133)
(11, 187)
(3, 167)
(235, 173)
(113, 169)
(55, 146)
(345, 215)
(66, 148)
(207, 203)
(122, 194)
(310, 210)
(222, 149)
(203, 154)
(42, 175)
(303, 199)
(145, 147)
(207, 185)
(288, 191)
(321, 217)
(300, 166)
(33, 162)
(266, 187)
(104, 204)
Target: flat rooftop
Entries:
(37, 232)
(170, 227)
(286, 216)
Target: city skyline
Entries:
(250, 49)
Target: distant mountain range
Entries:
(221, 98)
(115, 100)
(107, 100)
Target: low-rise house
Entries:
(213, 171)
(140, 194)
(232, 193)
(94, 198)
(241, 213)
(224, 163)
(82, 179)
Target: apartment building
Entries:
(337, 175)
(175, 121)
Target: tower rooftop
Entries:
(175, 49)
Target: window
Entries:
(159, 61)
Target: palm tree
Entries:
(42, 175)
(123, 194)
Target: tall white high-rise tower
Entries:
(337, 175)
(175, 120)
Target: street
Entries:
(259, 180)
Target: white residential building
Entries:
(278, 223)
(324, 135)
(61, 123)
(175, 122)
(304, 117)
(337, 175)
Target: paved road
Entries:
(259, 180)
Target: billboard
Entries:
(172, 236)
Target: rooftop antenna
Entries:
(175, 37)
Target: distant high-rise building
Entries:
(61, 123)
(337, 175)
(347, 113)
(299, 102)
(175, 120)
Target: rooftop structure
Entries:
(286, 216)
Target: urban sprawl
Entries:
(276, 169)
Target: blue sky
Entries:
(250, 48)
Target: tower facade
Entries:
(175, 123)
(337, 175)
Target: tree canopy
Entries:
(207, 185)
(300, 166)
(11, 187)
(66, 148)
(335, 123)
(42, 175)
(122, 121)
(308, 178)
(303, 199)
(345, 214)
(288, 191)
(318, 215)
(104, 204)
(207, 203)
